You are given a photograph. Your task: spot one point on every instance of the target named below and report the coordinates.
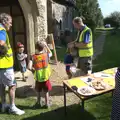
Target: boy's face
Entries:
(21, 50)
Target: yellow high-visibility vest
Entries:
(86, 51)
(42, 68)
(43, 74)
(7, 60)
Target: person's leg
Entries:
(87, 68)
(47, 88)
(3, 98)
(69, 74)
(4, 106)
(12, 95)
(47, 99)
(23, 73)
(38, 97)
(2, 94)
(38, 93)
(11, 83)
(13, 108)
(85, 64)
(80, 71)
(23, 77)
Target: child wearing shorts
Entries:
(21, 56)
(39, 63)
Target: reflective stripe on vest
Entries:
(87, 50)
(7, 60)
(42, 75)
(40, 61)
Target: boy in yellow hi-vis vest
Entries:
(40, 63)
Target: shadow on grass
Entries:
(73, 113)
(27, 91)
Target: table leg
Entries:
(82, 105)
(112, 93)
(65, 109)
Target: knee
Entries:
(12, 88)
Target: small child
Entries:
(39, 62)
(21, 59)
(68, 60)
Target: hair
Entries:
(39, 46)
(4, 18)
(78, 20)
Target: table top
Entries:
(107, 76)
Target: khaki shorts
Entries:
(7, 77)
(85, 64)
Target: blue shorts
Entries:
(23, 69)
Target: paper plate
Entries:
(86, 91)
(100, 85)
(102, 75)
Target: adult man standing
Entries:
(84, 44)
(6, 65)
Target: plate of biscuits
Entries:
(86, 91)
(99, 85)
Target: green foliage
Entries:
(90, 10)
(113, 19)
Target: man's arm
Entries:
(80, 45)
(2, 42)
(3, 46)
(48, 49)
(2, 37)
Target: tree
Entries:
(113, 19)
(90, 10)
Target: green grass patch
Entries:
(96, 35)
(104, 29)
(98, 108)
(110, 56)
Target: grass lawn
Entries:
(95, 109)
(98, 108)
(103, 28)
(110, 56)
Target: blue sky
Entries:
(108, 6)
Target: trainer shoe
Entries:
(16, 111)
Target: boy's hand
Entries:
(44, 43)
(25, 55)
(33, 70)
